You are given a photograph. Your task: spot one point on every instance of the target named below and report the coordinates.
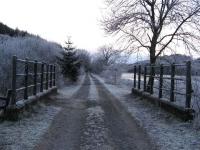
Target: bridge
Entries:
(95, 114)
(33, 80)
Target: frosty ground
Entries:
(96, 115)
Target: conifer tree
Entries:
(69, 62)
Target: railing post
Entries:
(47, 76)
(26, 80)
(8, 96)
(145, 78)
(134, 84)
(139, 76)
(172, 82)
(161, 82)
(35, 78)
(51, 67)
(54, 75)
(42, 78)
(188, 85)
(151, 79)
(14, 73)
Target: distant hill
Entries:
(6, 30)
(169, 59)
(176, 58)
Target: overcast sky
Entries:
(54, 20)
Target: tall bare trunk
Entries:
(152, 69)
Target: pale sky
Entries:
(54, 20)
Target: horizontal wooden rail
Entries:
(36, 75)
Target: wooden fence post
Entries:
(161, 82)
(139, 76)
(54, 75)
(42, 78)
(47, 76)
(188, 85)
(145, 78)
(35, 78)
(26, 80)
(51, 75)
(14, 74)
(134, 84)
(172, 82)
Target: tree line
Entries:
(4, 29)
(72, 60)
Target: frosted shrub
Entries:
(31, 47)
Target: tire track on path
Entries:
(66, 129)
(123, 129)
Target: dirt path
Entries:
(94, 120)
(123, 129)
(65, 131)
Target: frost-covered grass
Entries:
(26, 133)
(168, 132)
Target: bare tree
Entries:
(155, 25)
(108, 55)
(105, 57)
(97, 65)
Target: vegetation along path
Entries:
(92, 119)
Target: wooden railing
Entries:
(30, 78)
(150, 73)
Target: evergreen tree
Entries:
(69, 62)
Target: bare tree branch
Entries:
(155, 25)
